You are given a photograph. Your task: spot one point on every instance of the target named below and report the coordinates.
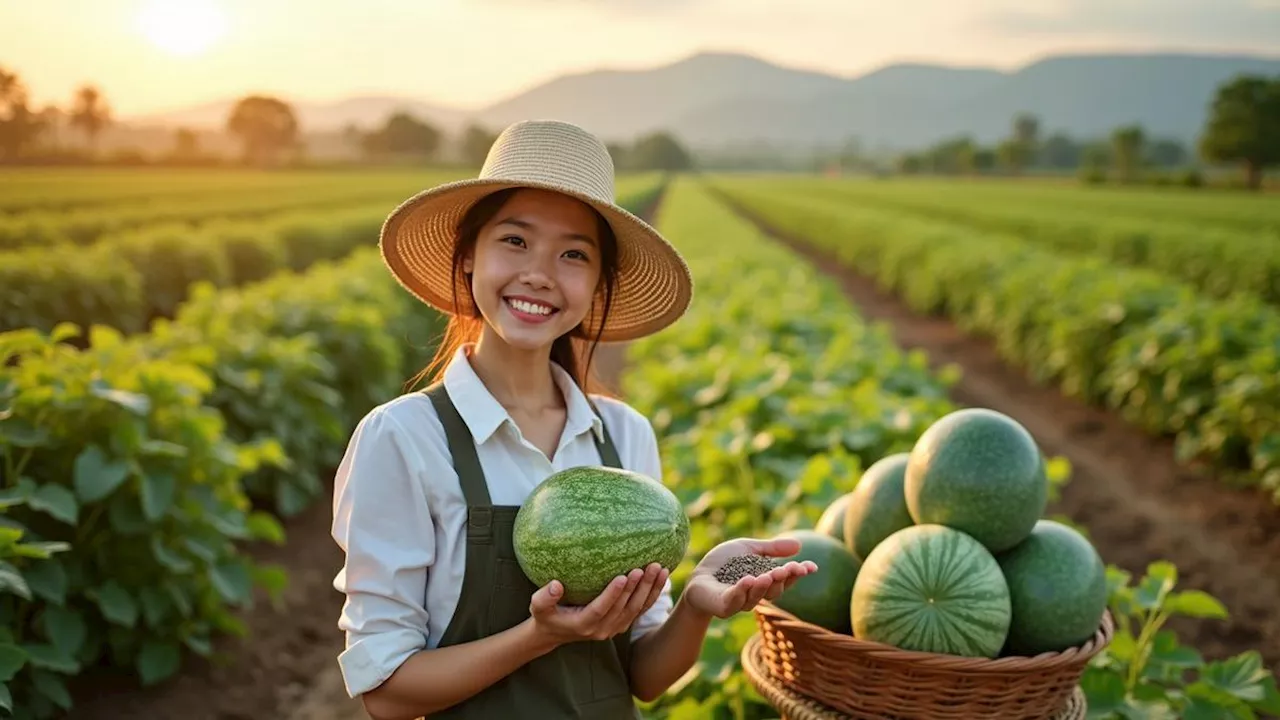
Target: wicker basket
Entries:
(871, 680)
(794, 706)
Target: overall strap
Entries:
(462, 447)
(608, 451)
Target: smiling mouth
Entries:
(530, 309)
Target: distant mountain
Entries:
(724, 99)
(913, 105)
(621, 104)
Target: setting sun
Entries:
(182, 27)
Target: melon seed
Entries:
(741, 566)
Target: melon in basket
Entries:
(932, 588)
(832, 520)
(823, 597)
(980, 472)
(1057, 588)
(877, 507)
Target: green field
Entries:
(243, 322)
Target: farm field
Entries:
(769, 399)
(1220, 244)
(1153, 206)
(1160, 353)
(1128, 374)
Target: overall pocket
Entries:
(512, 592)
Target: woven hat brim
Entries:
(654, 285)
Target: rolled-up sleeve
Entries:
(649, 462)
(382, 521)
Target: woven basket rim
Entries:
(1009, 665)
(797, 706)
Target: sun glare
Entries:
(183, 27)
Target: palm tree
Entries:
(90, 114)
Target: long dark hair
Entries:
(574, 351)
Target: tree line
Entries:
(269, 134)
(22, 127)
(1242, 128)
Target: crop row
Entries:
(768, 399)
(1219, 262)
(27, 189)
(1169, 360)
(132, 469)
(768, 410)
(1241, 212)
(88, 226)
(146, 274)
(141, 453)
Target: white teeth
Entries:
(529, 307)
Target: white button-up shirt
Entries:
(399, 513)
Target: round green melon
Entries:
(586, 525)
(1057, 587)
(980, 472)
(932, 589)
(832, 520)
(823, 597)
(878, 507)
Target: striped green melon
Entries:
(877, 508)
(980, 472)
(932, 589)
(586, 525)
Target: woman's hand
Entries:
(706, 594)
(611, 613)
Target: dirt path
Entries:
(1137, 503)
(285, 668)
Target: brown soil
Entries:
(1137, 503)
(286, 665)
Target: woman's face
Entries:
(535, 267)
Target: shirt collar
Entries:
(579, 416)
(483, 414)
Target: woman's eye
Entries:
(513, 239)
(577, 255)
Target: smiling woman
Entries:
(183, 27)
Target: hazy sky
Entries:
(159, 54)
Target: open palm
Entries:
(707, 594)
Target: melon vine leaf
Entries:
(157, 661)
(1146, 672)
(12, 659)
(96, 476)
(65, 628)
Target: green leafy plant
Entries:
(1147, 673)
(112, 457)
(17, 555)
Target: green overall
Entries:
(584, 679)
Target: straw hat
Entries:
(654, 286)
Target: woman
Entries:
(535, 264)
